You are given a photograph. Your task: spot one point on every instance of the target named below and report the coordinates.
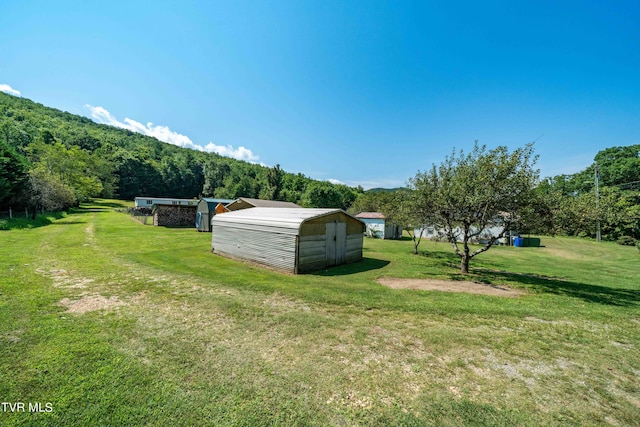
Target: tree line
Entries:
(52, 160)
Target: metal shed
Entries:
(378, 226)
(296, 240)
(206, 211)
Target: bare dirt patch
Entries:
(450, 286)
(64, 279)
(90, 303)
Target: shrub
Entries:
(626, 241)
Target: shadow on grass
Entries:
(27, 223)
(48, 218)
(68, 223)
(550, 285)
(104, 204)
(98, 206)
(367, 264)
(444, 258)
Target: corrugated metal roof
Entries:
(259, 203)
(287, 220)
(216, 201)
(371, 215)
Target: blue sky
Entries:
(364, 92)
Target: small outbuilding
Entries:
(295, 240)
(247, 203)
(207, 208)
(378, 226)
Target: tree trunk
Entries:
(416, 241)
(464, 263)
(466, 253)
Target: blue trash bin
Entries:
(518, 242)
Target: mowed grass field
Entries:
(105, 321)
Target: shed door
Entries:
(206, 222)
(336, 243)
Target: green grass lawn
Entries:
(112, 322)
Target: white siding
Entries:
(147, 202)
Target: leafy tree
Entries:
(192, 175)
(273, 188)
(619, 213)
(72, 166)
(347, 195)
(12, 134)
(215, 173)
(619, 165)
(171, 176)
(322, 194)
(371, 201)
(469, 193)
(13, 171)
(411, 210)
(46, 191)
(137, 177)
(293, 187)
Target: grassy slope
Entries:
(196, 339)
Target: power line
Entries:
(630, 185)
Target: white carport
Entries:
(292, 239)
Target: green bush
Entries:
(626, 241)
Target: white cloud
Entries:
(163, 133)
(8, 89)
(240, 153)
(335, 181)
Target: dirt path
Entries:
(450, 286)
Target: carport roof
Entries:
(282, 218)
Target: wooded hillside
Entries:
(51, 160)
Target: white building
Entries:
(378, 226)
(148, 202)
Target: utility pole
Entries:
(597, 178)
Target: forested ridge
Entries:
(51, 160)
